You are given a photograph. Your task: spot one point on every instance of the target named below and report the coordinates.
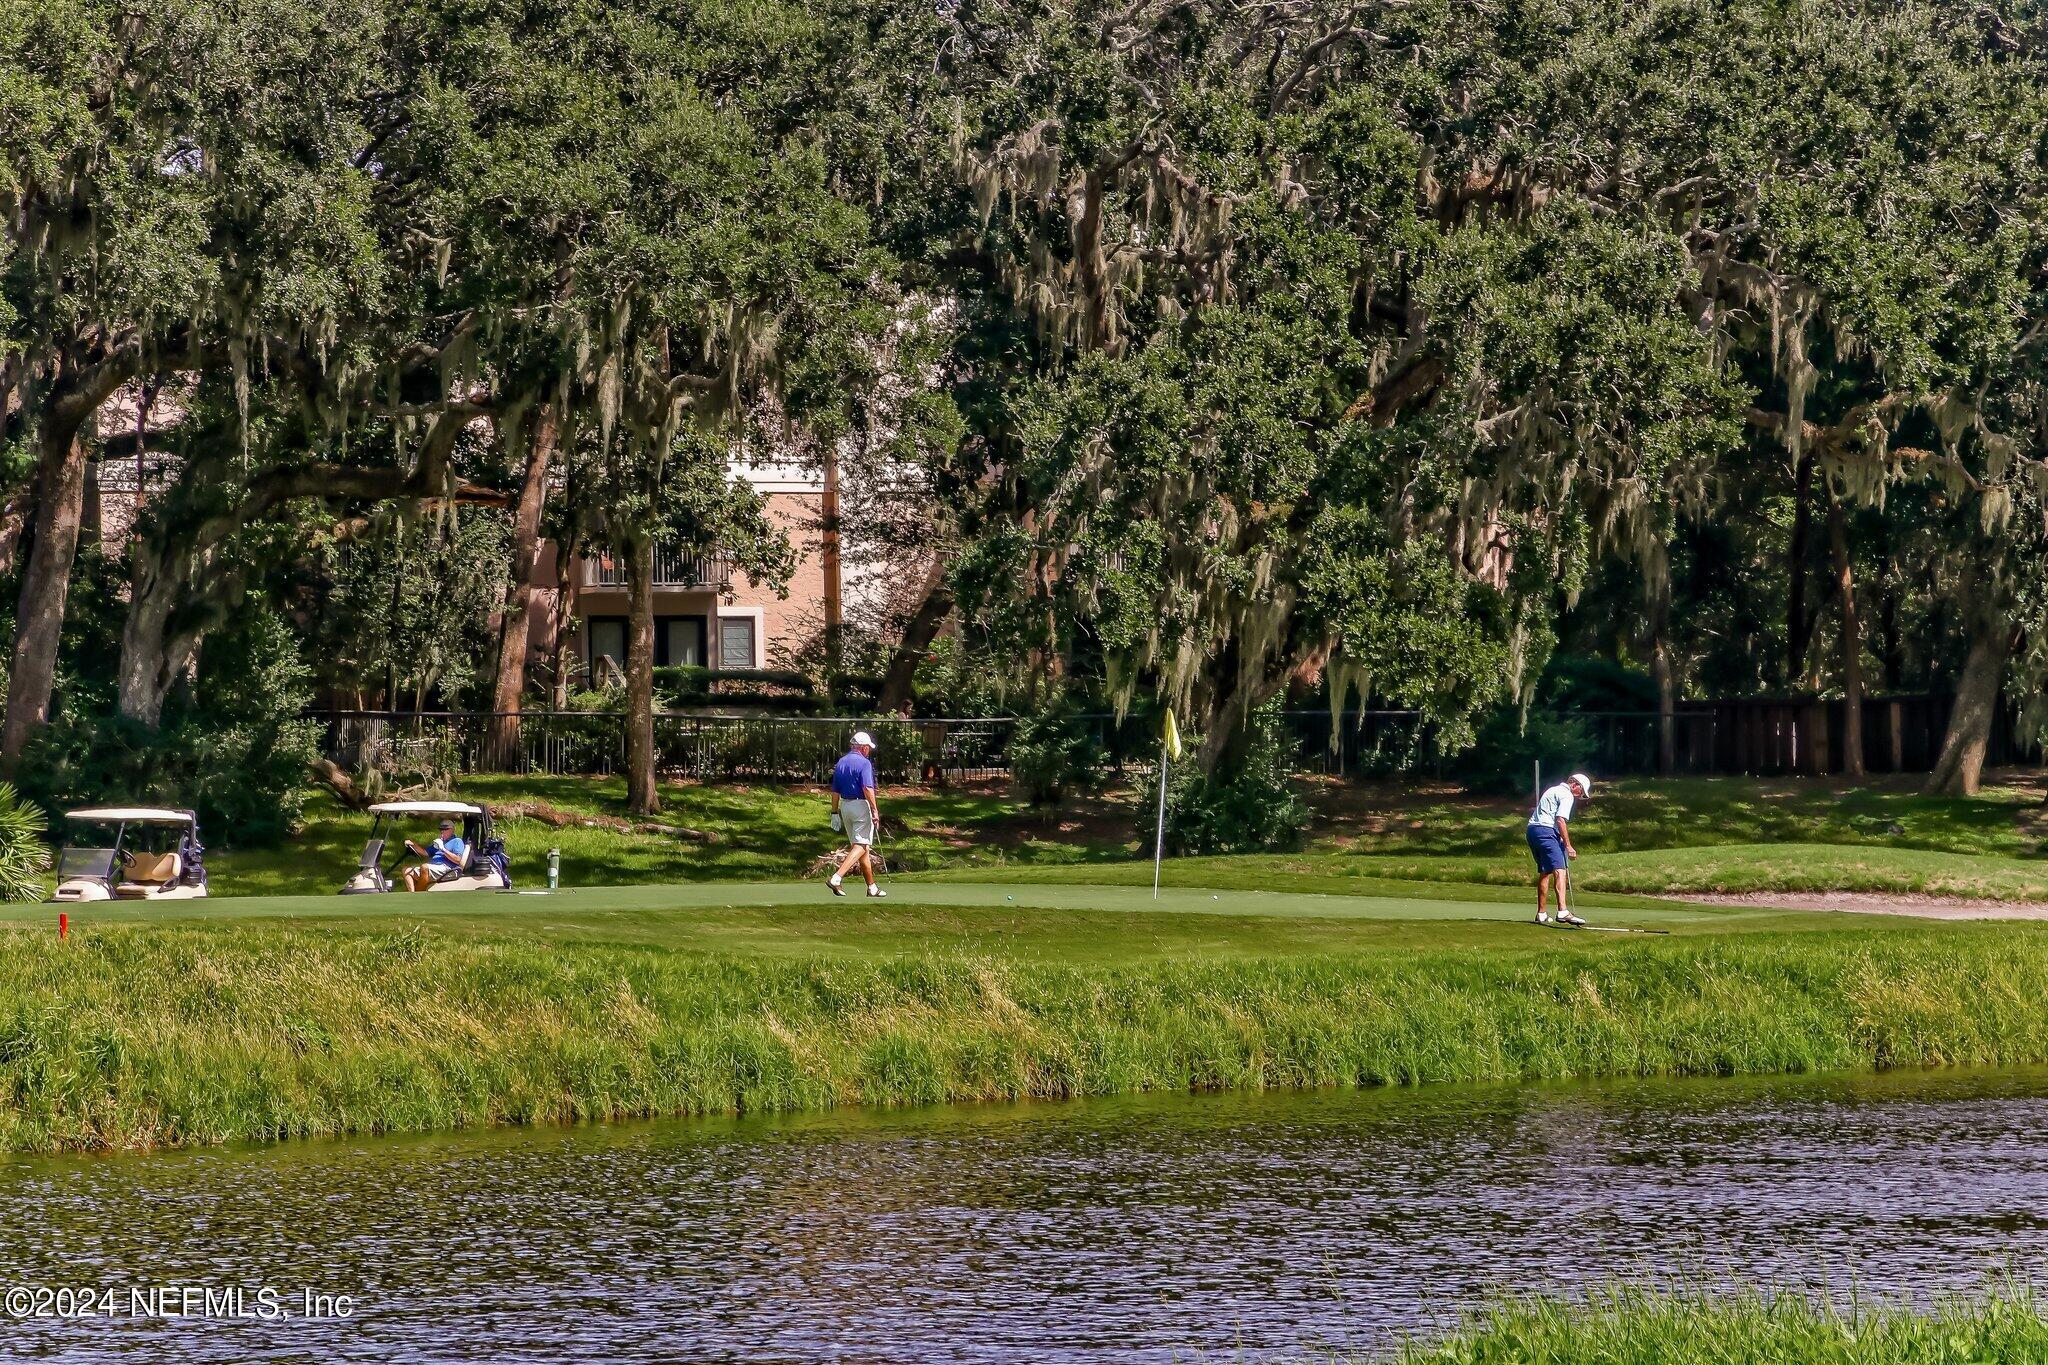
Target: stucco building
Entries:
(706, 612)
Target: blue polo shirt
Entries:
(853, 776)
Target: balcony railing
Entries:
(672, 569)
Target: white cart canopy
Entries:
(425, 808)
(132, 815)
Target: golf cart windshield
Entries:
(96, 864)
(417, 822)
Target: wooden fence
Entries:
(1770, 736)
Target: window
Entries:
(678, 640)
(736, 642)
(606, 640)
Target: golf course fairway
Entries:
(272, 1017)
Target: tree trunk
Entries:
(829, 563)
(1851, 640)
(154, 656)
(1663, 671)
(1227, 728)
(1226, 731)
(510, 679)
(1891, 644)
(329, 774)
(178, 590)
(918, 634)
(1798, 622)
(567, 570)
(641, 797)
(146, 674)
(92, 508)
(39, 619)
(1960, 769)
(1665, 676)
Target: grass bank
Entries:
(141, 1034)
(1643, 1328)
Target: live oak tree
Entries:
(706, 259)
(402, 248)
(103, 252)
(1818, 217)
(1333, 379)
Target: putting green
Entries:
(902, 895)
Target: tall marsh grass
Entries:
(1641, 1327)
(139, 1036)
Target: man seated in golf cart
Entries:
(444, 858)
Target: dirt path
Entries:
(1875, 903)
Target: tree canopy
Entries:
(1375, 351)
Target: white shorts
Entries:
(859, 821)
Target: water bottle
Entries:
(554, 869)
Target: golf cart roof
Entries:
(425, 808)
(131, 815)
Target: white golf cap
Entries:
(862, 737)
(1585, 782)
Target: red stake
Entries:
(63, 925)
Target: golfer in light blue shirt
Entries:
(1550, 842)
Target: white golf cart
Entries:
(154, 855)
(483, 859)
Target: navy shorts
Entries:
(1548, 848)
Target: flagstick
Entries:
(1159, 845)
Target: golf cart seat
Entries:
(147, 872)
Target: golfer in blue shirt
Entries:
(854, 810)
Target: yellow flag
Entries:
(1172, 737)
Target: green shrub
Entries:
(1251, 805)
(1589, 682)
(24, 856)
(1502, 761)
(1054, 752)
(853, 693)
(783, 689)
(955, 679)
(235, 750)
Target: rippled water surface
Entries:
(1162, 1229)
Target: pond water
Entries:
(1159, 1229)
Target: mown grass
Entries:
(706, 833)
(1726, 868)
(2007, 819)
(138, 1035)
(1639, 1327)
(1676, 835)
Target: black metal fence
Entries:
(704, 748)
(1901, 734)
(796, 748)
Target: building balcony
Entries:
(672, 569)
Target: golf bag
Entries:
(493, 854)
